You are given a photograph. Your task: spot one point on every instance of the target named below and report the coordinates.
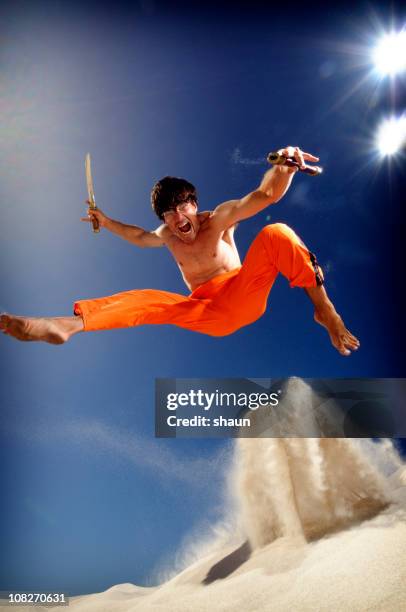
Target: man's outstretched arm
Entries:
(272, 188)
(134, 234)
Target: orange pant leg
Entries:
(223, 304)
(150, 306)
(276, 249)
(137, 307)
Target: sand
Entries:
(311, 524)
(361, 567)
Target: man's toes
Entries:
(4, 321)
(340, 346)
(345, 345)
(351, 341)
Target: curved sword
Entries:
(90, 191)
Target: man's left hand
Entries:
(298, 155)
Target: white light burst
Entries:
(390, 54)
(391, 136)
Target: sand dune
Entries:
(314, 524)
(359, 567)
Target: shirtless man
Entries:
(225, 295)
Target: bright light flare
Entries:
(391, 136)
(390, 54)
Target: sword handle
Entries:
(281, 160)
(95, 224)
(95, 221)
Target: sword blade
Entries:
(89, 182)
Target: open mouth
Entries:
(185, 228)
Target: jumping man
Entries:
(225, 295)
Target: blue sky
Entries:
(206, 92)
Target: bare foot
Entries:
(340, 337)
(55, 330)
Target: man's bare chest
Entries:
(205, 251)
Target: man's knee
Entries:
(281, 241)
(277, 230)
(280, 235)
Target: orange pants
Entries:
(221, 305)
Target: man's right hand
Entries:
(95, 214)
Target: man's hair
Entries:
(170, 191)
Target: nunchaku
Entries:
(277, 159)
(90, 191)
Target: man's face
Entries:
(182, 220)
